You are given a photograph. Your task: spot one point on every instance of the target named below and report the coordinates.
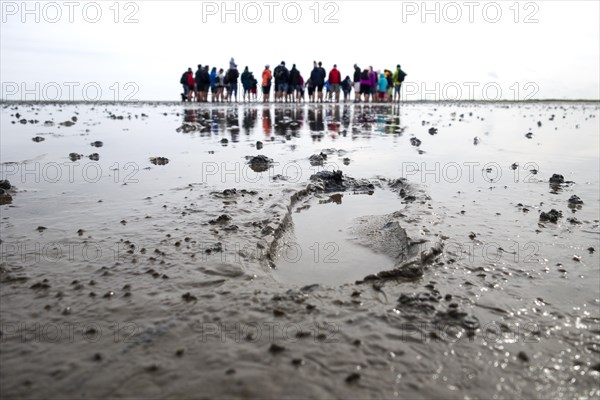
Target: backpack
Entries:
(230, 76)
(365, 75)
(226, 79)
(401, 75)
(281, 74)
(183, 79)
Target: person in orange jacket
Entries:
(266, 83)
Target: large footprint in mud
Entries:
(340, 230)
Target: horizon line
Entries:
(548, 100)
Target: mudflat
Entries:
(162, 250)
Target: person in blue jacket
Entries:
(382, 86)
(327, 87)
(213, 83)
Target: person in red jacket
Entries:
(335, 78)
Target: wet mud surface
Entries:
(300, 251)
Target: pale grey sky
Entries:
(507, 49)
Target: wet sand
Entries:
(144, 256)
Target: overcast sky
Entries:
(139, 49)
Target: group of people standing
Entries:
(222, 85)
(290, 86)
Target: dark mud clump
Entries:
(5, 197)
(188, 127)
(317, 159)
(259, 163)
(159, 160)
(38, 139)
(335, 181)
(433, 131)
(94, 157)
(415, 142)
(557, 179)
(550, 216)
(557, 182)
(188, 297)
(407, 270)
(75, 156)
(5, 192)
(276, 348)
(403, 189)
(97, 143)
(575, 200)
(335, 198)
(222, 219)
(523, 356)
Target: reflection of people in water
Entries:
(281, 121)
(266, 121)
(233, 124)
(249, 120)
(315, 122)
(214, 121)
(346, 117)
(333, 121)
(315, 118)
(393, 126)
(189, 115)
(298, 118)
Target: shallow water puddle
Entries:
(319, 247)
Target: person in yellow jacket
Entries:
(390, 87)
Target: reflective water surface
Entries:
(137, 251)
